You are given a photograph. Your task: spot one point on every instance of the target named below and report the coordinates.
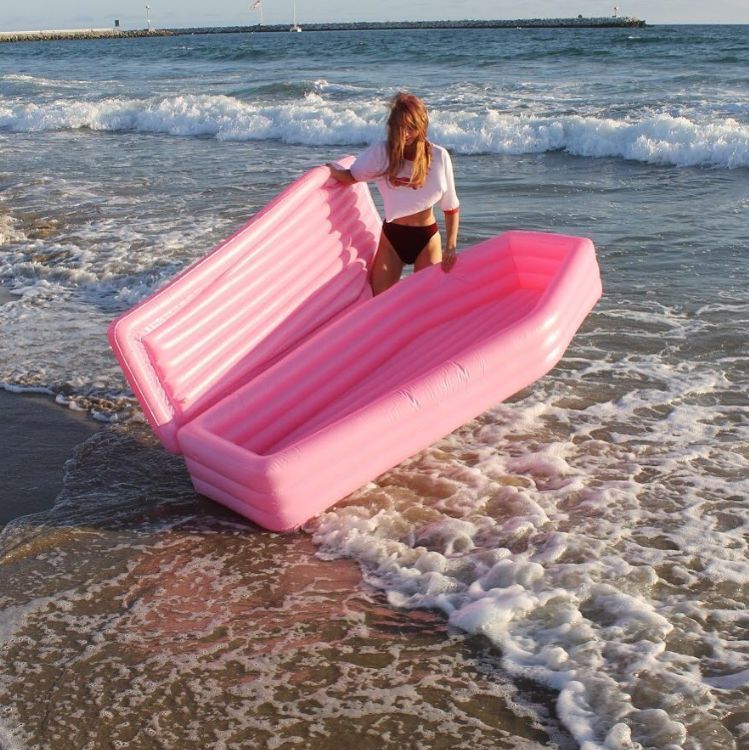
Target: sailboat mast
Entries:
(294, 26)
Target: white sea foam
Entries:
(596, 562)
(41, 82)
(313, 120)
(9, 231)
(735, 681)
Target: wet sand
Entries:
(37, 437)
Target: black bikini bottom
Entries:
(408, 241)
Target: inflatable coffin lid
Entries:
(393, 376)
(295, 266)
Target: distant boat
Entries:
(295, 26)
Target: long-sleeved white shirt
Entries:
(402, 199)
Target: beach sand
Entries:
(37, 437)
(251, 635)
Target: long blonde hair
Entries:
(408, 110)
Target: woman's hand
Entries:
(452, 222)
(449, 256)
(342, 175)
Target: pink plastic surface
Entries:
(391, 377)
(295, 266)
(286, 386)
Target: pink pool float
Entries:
(286, 386)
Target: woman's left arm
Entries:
(449, 255)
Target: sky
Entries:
(30, 15)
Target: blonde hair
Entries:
(407, 110)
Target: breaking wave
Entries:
(654, 138)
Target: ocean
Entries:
(569, 570)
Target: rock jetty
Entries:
(524, 23)
(58, 34)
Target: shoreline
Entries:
(523, 23)
(38, 436)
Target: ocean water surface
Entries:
(568, 570)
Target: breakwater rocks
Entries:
(524, 23)
(56, 35)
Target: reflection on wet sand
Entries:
(141, 616)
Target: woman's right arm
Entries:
(365, 167)
(342, 175)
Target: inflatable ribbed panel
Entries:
(292, 269)
(383, 380)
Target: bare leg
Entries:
(386, 268)
(431, 253)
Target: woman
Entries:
(412, 175)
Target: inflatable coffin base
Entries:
(390, 377)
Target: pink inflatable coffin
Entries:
(287, 386)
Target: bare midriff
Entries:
(423, 218)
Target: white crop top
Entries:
(403, 200)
